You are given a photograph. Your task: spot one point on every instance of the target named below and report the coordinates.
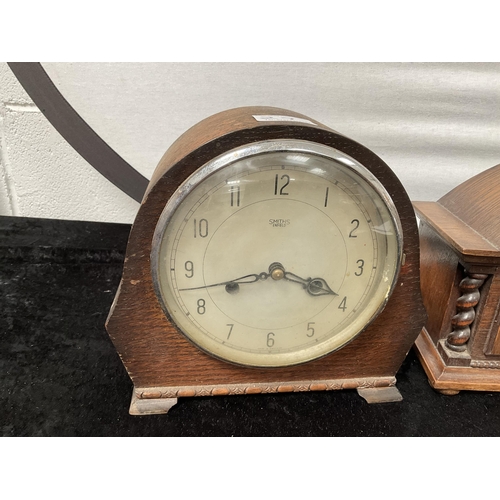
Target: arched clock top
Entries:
(476, 203)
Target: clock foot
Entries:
(156, 406)
(448, 392)
(380, 394)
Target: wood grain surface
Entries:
(157, 355)
(460, 243)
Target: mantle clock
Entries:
(270, 254)
(460, 271)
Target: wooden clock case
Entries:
(164, 365)
(459, 346)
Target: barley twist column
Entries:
(460, 335)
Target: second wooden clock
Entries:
(270, 254)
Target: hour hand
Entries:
(313, 286)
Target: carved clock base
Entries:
(159, 400)
(449, 378)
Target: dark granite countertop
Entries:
(60, 374)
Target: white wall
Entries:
(41, 175)
(436, 125)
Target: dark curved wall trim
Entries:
(76, 131)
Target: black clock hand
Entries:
(313, 286)
(232, 285)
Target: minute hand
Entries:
(249, 278)
(313, 286)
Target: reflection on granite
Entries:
(60, 374)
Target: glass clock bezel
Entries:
(258, 148)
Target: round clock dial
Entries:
(276, 253)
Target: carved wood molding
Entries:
(485, 364)
(240, 389)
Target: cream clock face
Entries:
(276, 253)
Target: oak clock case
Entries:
(270, 254)
(459, 346)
